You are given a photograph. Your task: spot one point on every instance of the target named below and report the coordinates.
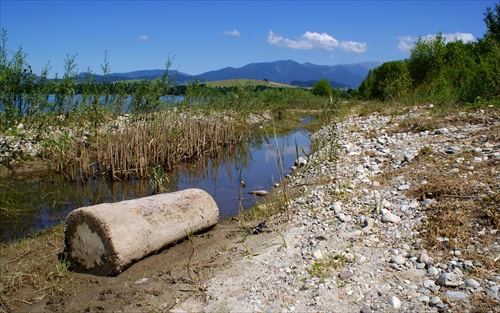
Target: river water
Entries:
(42, 200)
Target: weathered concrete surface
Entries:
(106, 238)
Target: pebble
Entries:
(448, 280)
(390, 218)
(435, 301)
(432, 271)
(318, 255)
(472, 283)
(404, 187)
(441, 131)
(398, 259)
(424, 299)
(423, 257)
(141, 281)
(369, 242)
(395, 302)
(366, 309)
(455, 295)
(345, 274)
(337, 207)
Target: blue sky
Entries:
(209, 35)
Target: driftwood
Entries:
(105, 239)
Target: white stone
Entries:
(337, 207)
(395, 302)
(423, 257)
(390, 218)
(318, 255)
(404, 187)
(398, 259)
(435, 301)
(424, 299)
(441, 131)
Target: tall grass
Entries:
(167, 139)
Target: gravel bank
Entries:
(353, 242)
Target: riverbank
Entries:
(404, 219)
(392, 212)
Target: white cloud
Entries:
(465, 37)
(407, 42)
(233, 33)
(313, 40)
(144, 37)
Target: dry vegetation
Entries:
(31, 270)
(134, 147)
(464, 214)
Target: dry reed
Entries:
(164, 139)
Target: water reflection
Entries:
(43, 200)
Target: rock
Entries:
(429, 283)
(260, 193)
(395, 302)
(424, 299)
(337, 207)
(492, 292)
(441, 131)
(432, 271)
(398, 259)
(344, 274)
(426, 203)
(390, 218)
(404, 187)
(349, 257)
(366, 309)
(300, 162)
(435, 301)
(318, 255)
(423, 257)
(452, 150)
(344, 218)
(455, 295)
(448, 280)
(472, 283)
(141, 281)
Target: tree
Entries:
(390, 81)
(492, 20)
(322, 88)
(427, 59)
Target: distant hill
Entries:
(287, 71)
(340, 76)
(311, 83)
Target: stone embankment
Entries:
(356, 238)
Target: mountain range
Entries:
(288, 72)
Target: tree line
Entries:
(446, 72)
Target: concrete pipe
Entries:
(105, 239)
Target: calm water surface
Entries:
(44, 200)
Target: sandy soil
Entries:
(156, 283)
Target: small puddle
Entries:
(39, 201)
